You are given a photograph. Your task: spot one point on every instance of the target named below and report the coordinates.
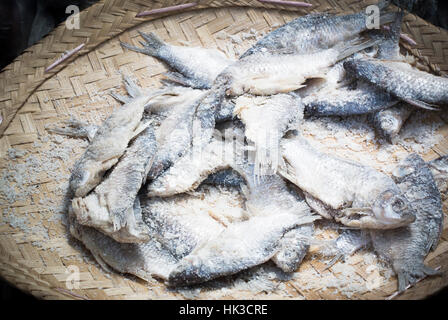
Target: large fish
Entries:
(316, 32)
(109, 208)
(406, 248)
(351, 193)
(199, 66)
(266, 121)
(107, 146)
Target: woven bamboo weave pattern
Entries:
(30, 99)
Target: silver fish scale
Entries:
(400, 80)
(347, 102)
(310, 33)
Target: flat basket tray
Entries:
(36, 252)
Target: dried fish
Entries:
(199, 66)
(107, 146)
(353, 194)
(400, 79)
(406, 248)
(271, 73)
(109, 208)
(316, 32)
(144, 260)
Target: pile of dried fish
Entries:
(237, 124)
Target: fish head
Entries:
(392, 210)
(79, 182)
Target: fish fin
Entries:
(152, 43)
(422, 105)
(178, 78)
(351, 47)
(140, 128)
(120, 98)
(132, 88)
(408, 278)
(333, 261)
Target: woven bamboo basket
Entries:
(36, 252)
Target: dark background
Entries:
(24, 22)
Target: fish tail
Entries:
(153, 43)
(349, 48)
(151, 46)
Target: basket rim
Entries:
(36, 78)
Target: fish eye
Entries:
(398, 204)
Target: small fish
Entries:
(337, 100)
(439, 168)
(346, 102)
(192, 169)
(144, 260)
(272, 73)
(107, 146)
(405, 248)
(388, 122)
(353, 194)
(109, 208)
(418, 88)
(241, 246)
(266, 121)
(199, 66)
(316, 32)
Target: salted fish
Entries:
(272, 212)
(174, 224)
(406, 248)
(109, 208)
(271, 73)
(418, 88)
(225, 178)
(199, 66)
(352, 194)
(266, 121)
(107, 146)
(192, 169)
(316, 32)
